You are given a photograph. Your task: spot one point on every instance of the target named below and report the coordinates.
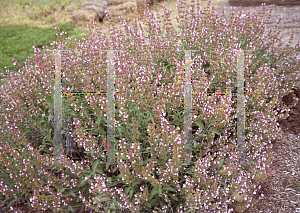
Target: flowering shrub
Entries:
(150, 175)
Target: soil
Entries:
(292, 123)
(290, 11)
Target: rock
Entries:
(94, 10)
(117, 2)
(90, 11)
(81, 17)
(98, 10)
(96, 4)
(125, 8)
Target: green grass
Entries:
(17, 42)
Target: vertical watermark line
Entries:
(57, 109)
(240, 107)
(110, 107)
(187, 108)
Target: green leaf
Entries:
(119, 177)
(189, 171)
(99, 170)
(98, 197)
(26, 132)
(72, 113)
(62, 189)
(81, 182)
(252, 133)
(11, 202)
(144, 162)
(159, 190)
(105, 120)
(41, 147)
(72, 193)
(211, 123)
(195, 144)
(105, 199)
(297, 188)
(63, 131)
(124, 157)
(153, 192)
(115, 169)
(199, 124)
(101, 130)
(95, 165)
(49, 119)
(202, 135)
(85, 113)
(173, 197)
(71, 208)
(224, 184)
(215, 131)
(127, 190)
(130, 194)
(169, 188)
(161, 204)
(149, 118)
(150, 204)
(115, 183)
(207, 136)
(220, 164)
(112, 206)
(136, 183)
(148, 150)
(49, 99)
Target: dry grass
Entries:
(41, 15)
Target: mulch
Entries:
(290, 125)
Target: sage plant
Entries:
(150, 174)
